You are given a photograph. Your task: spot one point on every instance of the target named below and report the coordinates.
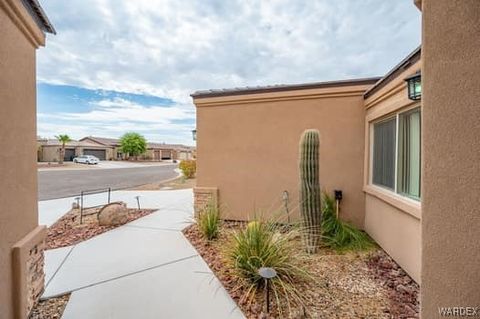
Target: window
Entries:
(384, 153)
(396, 153)
(409, 154)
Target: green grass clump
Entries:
(208, 221)
(340, 235)
(263, 244)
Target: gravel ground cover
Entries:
(68, 230)
(343, 285)
(50, 309)
(178, 183)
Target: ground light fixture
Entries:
(414, 84)
(194, 134)
(268, 274)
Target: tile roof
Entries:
(282, 87)
(35, 9)
(116, 142)
(55, 142)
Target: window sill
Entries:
(407, 205)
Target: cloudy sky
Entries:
(118, 65)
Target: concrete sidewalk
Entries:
(144, 269)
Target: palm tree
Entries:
(64, 138)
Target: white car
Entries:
(86, 159)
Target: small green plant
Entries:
(208, 220)
(338, 234)
(263, 244)
(188, 168)
(310, 194)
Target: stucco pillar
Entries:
(451, 153)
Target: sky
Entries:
(117, 66)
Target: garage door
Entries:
(69, 154)
(166, 154)
(98, 153)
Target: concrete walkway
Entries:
(144, 269)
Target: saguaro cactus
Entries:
(310, 195)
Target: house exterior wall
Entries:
(51, 153)
(392, 220)
(451, 152)
(247, 147)
(19, 230)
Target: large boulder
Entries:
(113, 214)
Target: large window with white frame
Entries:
(396, 153)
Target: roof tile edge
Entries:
(283, 88)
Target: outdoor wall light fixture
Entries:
(414, 84)
(285, 198)
(194, 134)
(338, 198)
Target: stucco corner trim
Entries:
(405, 205)
(24, 21)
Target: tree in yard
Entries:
(64, 139)
(133, 144)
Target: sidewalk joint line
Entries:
(60, 266)
(125, 275)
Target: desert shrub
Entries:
(208, 220)
(188, 168)
(338, 234)
(263, 244)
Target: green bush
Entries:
(188, 168)
(263, 244)
(338, 234)
(208, 221)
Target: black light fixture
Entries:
(414, 84)
(194, 134)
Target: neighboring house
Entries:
(23, 25)
(106, 142)
(408, 166)
(49, 150)
(155, 151)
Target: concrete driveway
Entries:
(58, 183)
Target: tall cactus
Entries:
(310, 195)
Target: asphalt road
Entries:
(64, 183)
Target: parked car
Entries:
(86, 159)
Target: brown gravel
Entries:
(344, 285)
(50, 309)
(68, 230)
(178, 183)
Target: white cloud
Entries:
(170, 48)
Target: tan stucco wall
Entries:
(247, 146)
(451, 152)
(50, 153)
(18, 175)
(392, 220)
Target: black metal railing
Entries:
(85, 193)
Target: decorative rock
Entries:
(113, 214)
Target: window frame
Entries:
(390, 116)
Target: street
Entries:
(63, 183)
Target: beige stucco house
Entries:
(49, 150)
(23, 25)
(408, 164)
(155, 151)
(259, 132)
